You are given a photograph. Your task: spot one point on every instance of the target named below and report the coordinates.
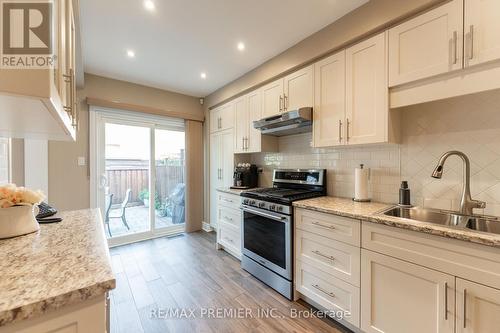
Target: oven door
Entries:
(267, 239)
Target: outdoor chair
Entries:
(123, 206)
(107, 207)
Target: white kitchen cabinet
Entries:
(329, 101)
(221, 167)
(482, 30)
(272, 98)
(229, 223)
(222, 118)
(367, 95)
(241, 124)
(397, 296)
(41, 103)
(428, 45)
(479, 305)
(298, 89)
(294, 91)
(247, 138)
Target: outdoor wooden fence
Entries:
(137, 179)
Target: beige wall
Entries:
(69, 183)
(367, 19)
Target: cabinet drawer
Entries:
(228, 200)
(229, 237)
(329, 292)
(463, 259)
(229, 216)
(335, 258)
(334, 227)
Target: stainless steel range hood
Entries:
(287, 123)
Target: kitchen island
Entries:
(57, 278)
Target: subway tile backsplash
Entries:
(469, 123)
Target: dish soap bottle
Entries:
(404, 195)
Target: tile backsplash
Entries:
(470, 124)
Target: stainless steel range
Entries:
(267, 228)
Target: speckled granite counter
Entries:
(61, 264)
(367, 211)
(232, 190)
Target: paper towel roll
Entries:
(361, 177)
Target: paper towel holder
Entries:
(362, 200)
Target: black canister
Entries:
(404, 194)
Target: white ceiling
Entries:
(183, 38)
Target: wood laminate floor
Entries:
(161, 282)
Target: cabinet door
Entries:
(254, 113)
(241, 125)
(329, 100)
(367, 93)
(215, 124)
(479, 305)
(482, 31)
(272, 98)
(397, 296)
(227, 116)
(227, 162)
(215, 175)
(299, 90)
(427, 45)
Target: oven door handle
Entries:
(273, 217)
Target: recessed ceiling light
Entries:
(241, 46)
(203, 75)
(149, 5)
(130, 54)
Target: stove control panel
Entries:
(265, 205)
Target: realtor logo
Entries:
(26, 34)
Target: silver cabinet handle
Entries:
(471, 41)
(323, 290)
(285, 102)
(70, 78)
(227, 200)
(446, 301)
(340, 130)
(323, 225)
(228, 218)
(465, 308)
(229, 239)
(246, 142)
(220, 122)
(243, 143)
(347, 131)
(281, 103)
(323, 255)
(455, 51)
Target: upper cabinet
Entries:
(367, 95)
(482, 31)
(329, 101)
(427, 45)
(291, 92)
(41, 103)
(351, 96)
(248, 108)
(298, 89)
(222, 118)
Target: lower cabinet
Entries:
(397, 296)
(229, 223)
(478, 308)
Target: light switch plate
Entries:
(81, 161)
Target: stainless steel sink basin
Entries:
(427, 215)
(488, 224)
(491, 226)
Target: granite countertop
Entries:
(233, 190)
(59, 265)
(367, 211)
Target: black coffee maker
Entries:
(245, 176)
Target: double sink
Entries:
(488, 224)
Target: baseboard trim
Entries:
(206, 227)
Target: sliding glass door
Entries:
(139, 175)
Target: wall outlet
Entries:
(81, 161)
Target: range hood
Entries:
(287, 123)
